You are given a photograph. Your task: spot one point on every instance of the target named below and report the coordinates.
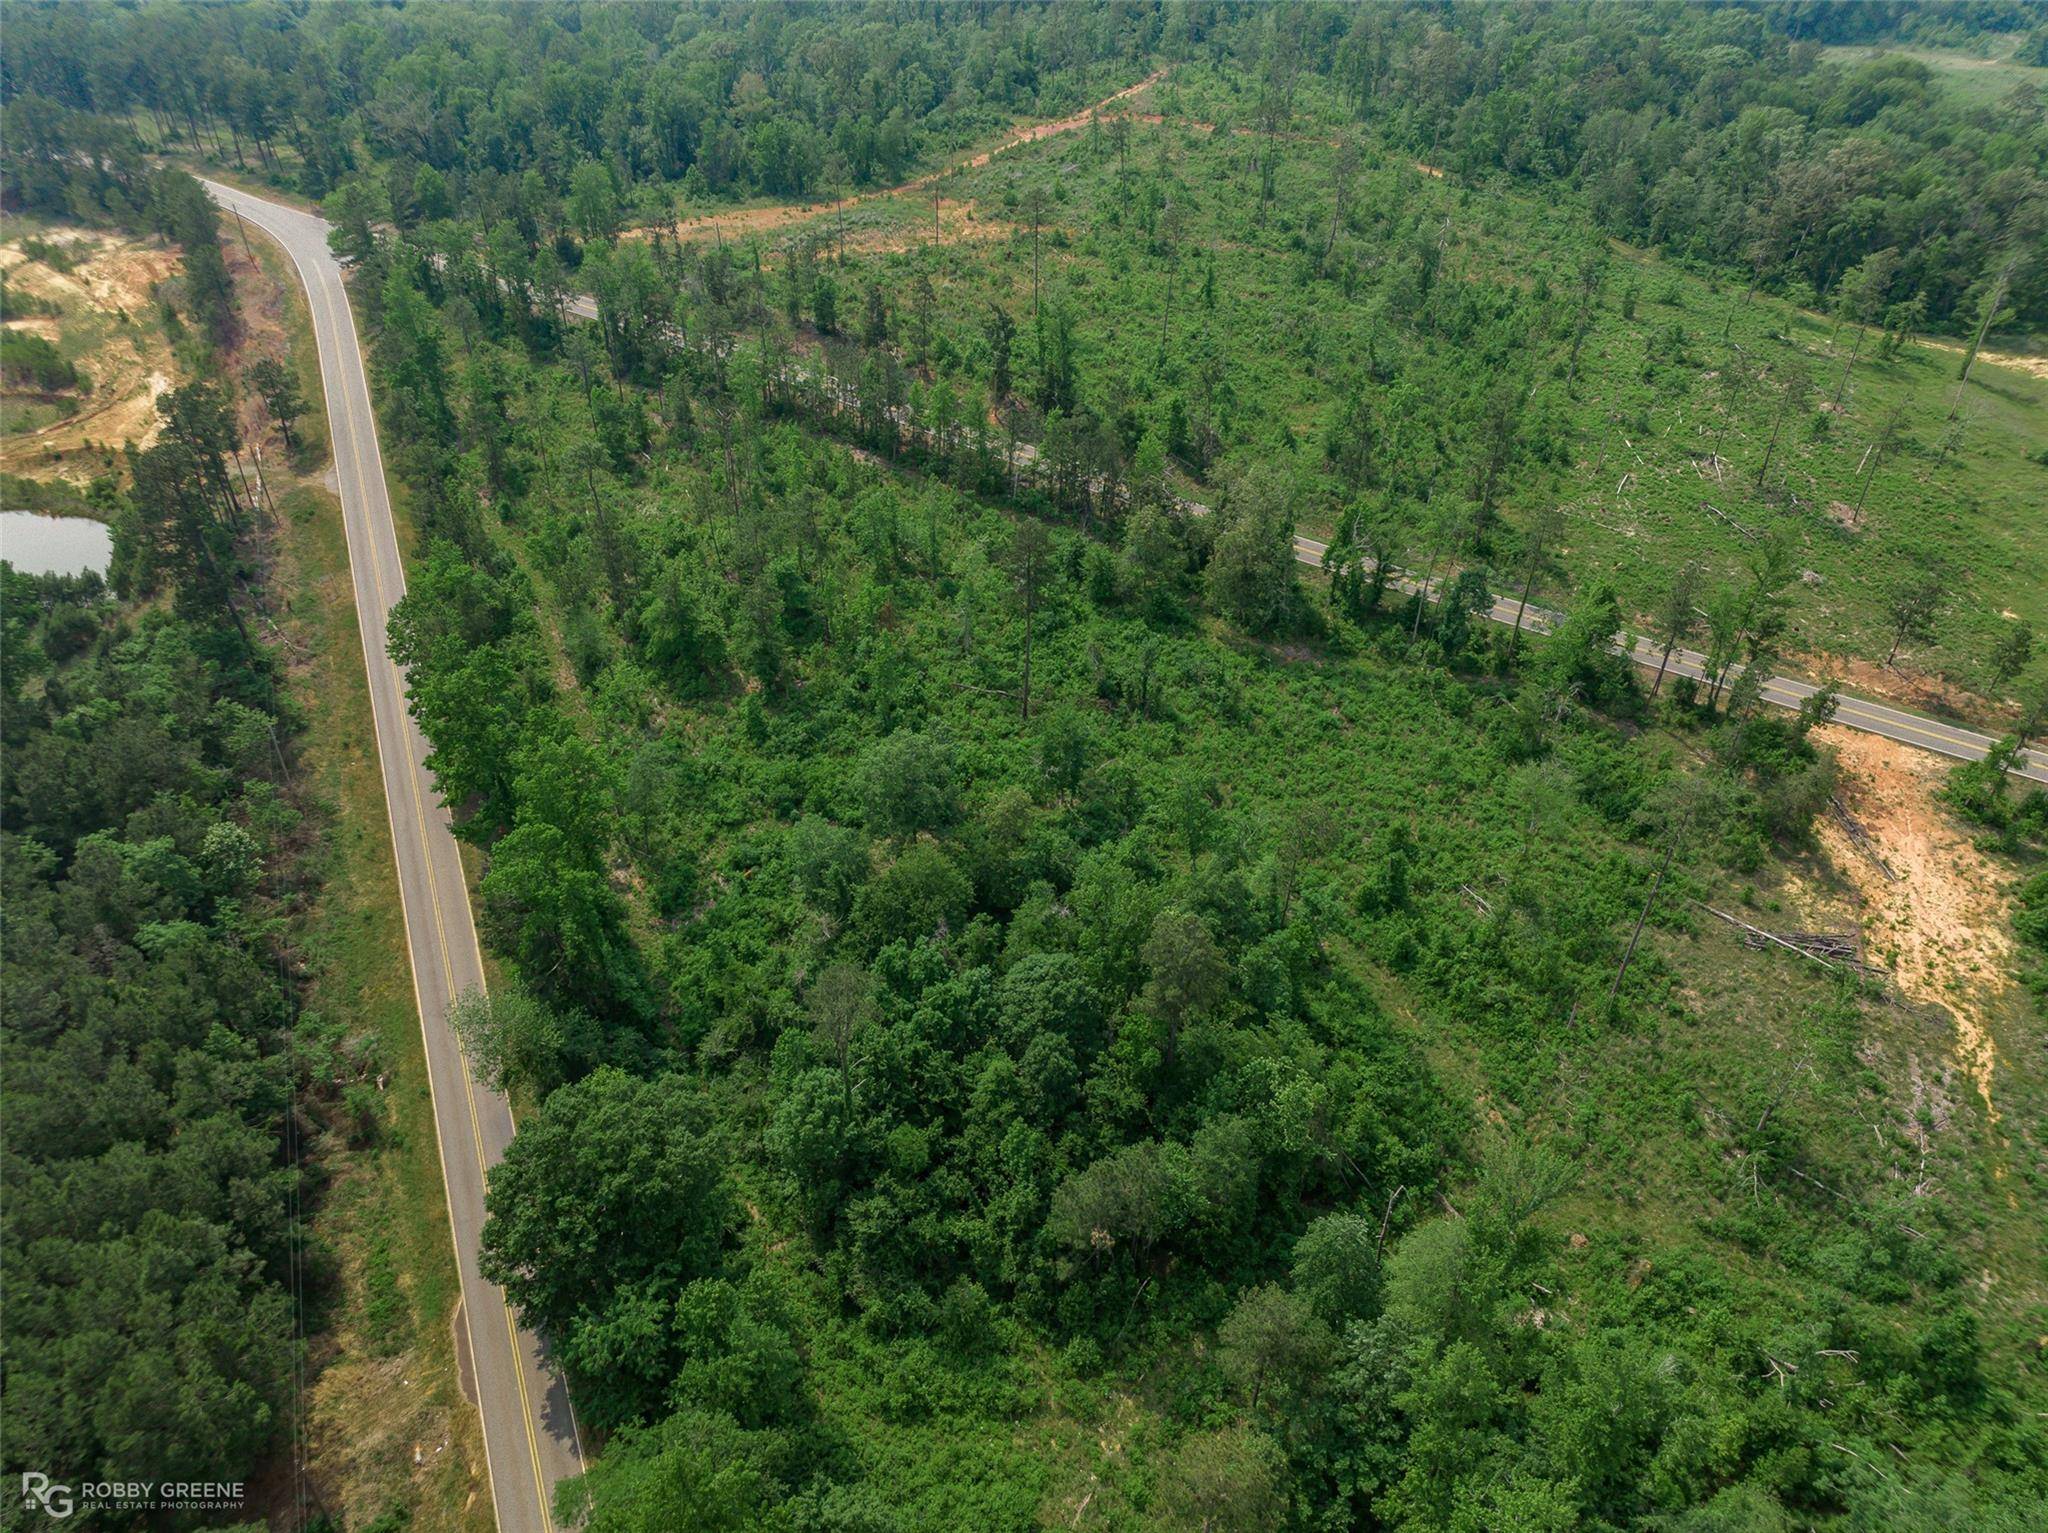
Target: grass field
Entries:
(1979, 80)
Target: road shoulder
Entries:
(389, 1429)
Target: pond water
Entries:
(54, 545)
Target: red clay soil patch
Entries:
(262, 334)
(1940, 927)
(1925, 694)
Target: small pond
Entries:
(54, 545)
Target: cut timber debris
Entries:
(1845, 949)
(1844, 1197)
(1831, 950)
(1821, 944)
(1741, 531)
(1853, 829)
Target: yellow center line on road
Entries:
(332, 380)
(340, 409)
(411, 772)
(476, 949)
(1893, 721)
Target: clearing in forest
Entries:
(1974, 79)
(93, 293)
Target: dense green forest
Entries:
(149, 1236)
(1030, 1008)
(497, 103)
(1715, 132)
(154, 859)
(159, 858)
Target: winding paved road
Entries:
(529, 1429)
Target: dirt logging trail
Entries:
(2034, 366)
(959, 219)
(763, 220)
(1033, 134)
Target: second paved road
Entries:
(1873, 718)
(530, 1435)
(530, 1438)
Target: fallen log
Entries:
(1770, 937)
(1831, 950)
(1860, 838)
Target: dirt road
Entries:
(744, 221)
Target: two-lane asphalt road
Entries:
(1875, 718)
(1785, 691)
(529, 1430)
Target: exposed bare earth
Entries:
(1900, 684)
(2035, 366)
(744, 221)
(1940, 927)
(261, 333)
(106, 298)
(958, 221)
(1037, 131)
